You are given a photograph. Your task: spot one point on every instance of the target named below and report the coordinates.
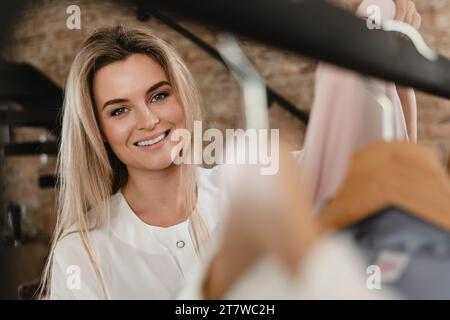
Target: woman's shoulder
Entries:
(72, 241)
(210, 177)
(211, 171)
(72, 273)
(69, 248)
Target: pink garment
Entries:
(344, 117)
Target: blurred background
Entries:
(41, 48)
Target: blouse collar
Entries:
(129, 228)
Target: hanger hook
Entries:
(388, 122)
(413, 35)
(252, 85)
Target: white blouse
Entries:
(140, 261)
(137, 260)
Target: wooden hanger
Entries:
(408, 176)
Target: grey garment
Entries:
(427, 272)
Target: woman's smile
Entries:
(153, 142)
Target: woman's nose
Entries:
(147, 119)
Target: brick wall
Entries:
(42, 39)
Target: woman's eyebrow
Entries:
(152, 88)
(156, 86)
(113, 101)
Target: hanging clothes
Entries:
(344, 117)
(341, 122)
(413, 255)
(395, 204)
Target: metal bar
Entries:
(322, 31)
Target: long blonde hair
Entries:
(88, 171)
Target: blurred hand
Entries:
(405, 11)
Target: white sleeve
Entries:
(59, 289)
(72, 275)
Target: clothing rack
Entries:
(322, 31)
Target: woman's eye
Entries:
(119, 111)
(159, 96)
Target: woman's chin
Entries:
(159, 164)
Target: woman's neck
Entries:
(154, 196)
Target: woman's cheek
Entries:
(176, 115)
(117, 133)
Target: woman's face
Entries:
(138, 111)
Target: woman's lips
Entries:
(155, 141)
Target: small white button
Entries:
(180, 244)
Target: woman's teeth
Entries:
(152, 141)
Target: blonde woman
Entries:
(129, 222)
